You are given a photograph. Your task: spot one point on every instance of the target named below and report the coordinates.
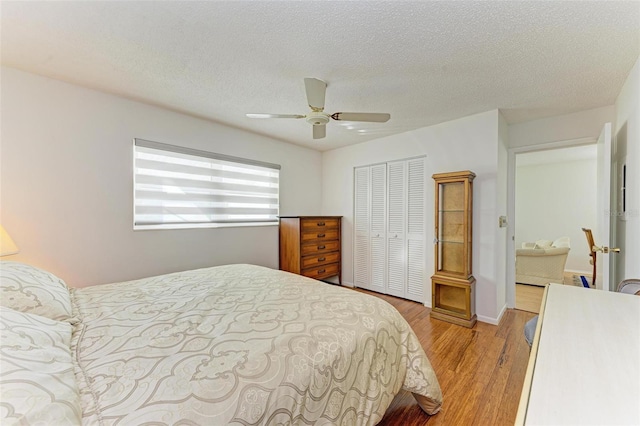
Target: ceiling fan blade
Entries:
(373, 117)
(275, 116)
(316, 90)
(319, 131)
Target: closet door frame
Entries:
(378, 229)
(416, 231)
(361, 232)
(396, 243)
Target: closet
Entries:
(389, 228)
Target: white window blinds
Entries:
(182, 187)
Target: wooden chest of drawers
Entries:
(310, 246)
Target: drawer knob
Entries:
(320, 235)
(320, 223)
(321, 247)
(321, 271)
(322, 259)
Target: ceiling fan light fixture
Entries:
(317, 118)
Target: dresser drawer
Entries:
(318, 224)
(319, 235)
(320, 247)
(320, 259)
(320, 272)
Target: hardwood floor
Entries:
(480, 370)
(529, 297)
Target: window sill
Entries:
(201, 226)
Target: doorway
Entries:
(554, 199)
(544, 179)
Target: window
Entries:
(176, 187)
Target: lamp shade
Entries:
(7, 246)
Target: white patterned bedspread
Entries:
(242, 344)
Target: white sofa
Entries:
(542, 262)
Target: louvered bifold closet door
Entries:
(416, 243)
(361, 249)
(378, 226)
(396, 221)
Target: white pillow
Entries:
(561, 242)
(36, 371)
(543, 244)
(26, 288)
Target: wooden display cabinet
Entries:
(453, 285)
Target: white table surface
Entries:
(587, 366)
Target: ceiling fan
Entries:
(316, 90)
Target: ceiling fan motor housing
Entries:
(317, 118)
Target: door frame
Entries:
(511, 204)
(604, 204)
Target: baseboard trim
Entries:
(494, 321)
(578, 272)
(427, 303)
(481, 318)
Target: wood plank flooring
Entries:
(480, 370)
(529, 297)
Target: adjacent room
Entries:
(297, 212)
(555, 199)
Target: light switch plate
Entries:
(502, 221)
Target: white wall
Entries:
(502, 237)
(66, 183)
(628, 112)
(469, 143)
(556, 200)
(583, 124)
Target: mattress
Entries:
(240, 344)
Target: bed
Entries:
(233, 344)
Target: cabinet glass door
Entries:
(451, 228)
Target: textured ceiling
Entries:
(422, 62)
